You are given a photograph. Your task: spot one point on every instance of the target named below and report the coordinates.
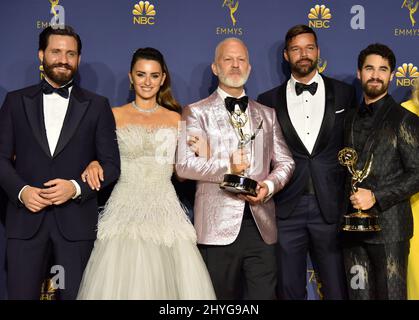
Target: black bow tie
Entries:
(49, 89)
(231, 102)
(300, 87)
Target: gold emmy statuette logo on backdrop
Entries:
(406, 75)
(52, 9)
(54, 3)
(232, 6)
(358, 221)
(314, 277)
(41, 72)
(320, 17)
(412, 6)
(144, 13)
(321, 65)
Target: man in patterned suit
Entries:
(376, 262)
(236, 234)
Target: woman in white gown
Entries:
(146, 245)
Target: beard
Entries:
(226, 80)
(303, 71)
(58, 77)
(375, 91)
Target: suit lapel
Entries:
(328, 118)
(34, 108)
(291, 136)
(255, 121)
(76, 108)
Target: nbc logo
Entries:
(144, 13)
(406, 75)
(319, 17)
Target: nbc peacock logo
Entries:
(406, 75)
(320, 17)
(144, 13)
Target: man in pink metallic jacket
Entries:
(236, 233)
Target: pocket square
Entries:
(340, 111)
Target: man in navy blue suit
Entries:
(49, 133)
(311, 109)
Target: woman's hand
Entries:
(93, 174)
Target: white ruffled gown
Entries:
(146, 245)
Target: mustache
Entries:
(375, 80)
(305, 59)
(62, 65)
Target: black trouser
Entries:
(245, 269)
(303, 232)
(376, 271)
(27, 261)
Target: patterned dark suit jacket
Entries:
(394, 176)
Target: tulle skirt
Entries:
(123, 268)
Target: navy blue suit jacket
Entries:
(327, 175)
(88, 133)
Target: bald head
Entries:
(231, 65)
(225, 43)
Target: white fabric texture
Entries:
(146, 245)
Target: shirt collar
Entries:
(315, 78)
(224, 94)
(69, 82)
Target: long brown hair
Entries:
(164, 96)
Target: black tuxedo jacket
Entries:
(88, 133)
(394, 175)
(327, 175)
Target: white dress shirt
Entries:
(306, 111)
(55, 109)
(247, 129)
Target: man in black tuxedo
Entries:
(376, 262)
(311, 109)
(48, 134)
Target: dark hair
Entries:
(164, 96)
(378, 49)
(65, 31)
(297, 30)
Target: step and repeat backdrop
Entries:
(187, 31)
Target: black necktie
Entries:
(300, 87)
(231, 102)
(49, 89)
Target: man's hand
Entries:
(59, 191)
(261, 190)
(32, 199)
(362, 199)
(239, 161)
(200, 146)
(93, 174)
